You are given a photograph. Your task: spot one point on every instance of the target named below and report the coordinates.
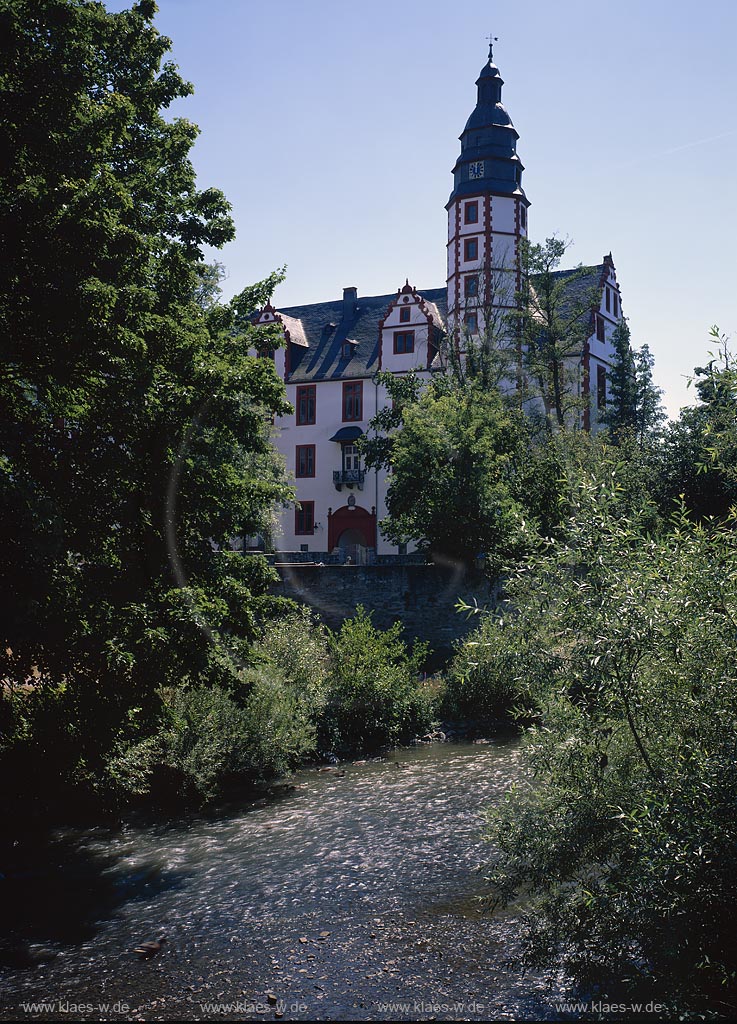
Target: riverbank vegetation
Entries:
(307, 692)
(618, 633)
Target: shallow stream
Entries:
(351, 891)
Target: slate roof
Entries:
(578, 288)
(318, 331)
(325, 332)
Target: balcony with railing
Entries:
(349, 477)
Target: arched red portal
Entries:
(356, 519)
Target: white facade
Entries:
(333, 351)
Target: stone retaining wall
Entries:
(421, 597)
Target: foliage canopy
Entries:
(134, 429)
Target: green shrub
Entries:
(625, 844)
(484, 679)
(296, 646)
(375, 694)
(209, 737)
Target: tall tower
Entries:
(487, 213)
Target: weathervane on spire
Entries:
(492, 40)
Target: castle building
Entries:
(333, 350)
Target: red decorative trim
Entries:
(488, 255)
(518, 286)
(268, 308)
(587, 386)
(406, 291)
(457, 304)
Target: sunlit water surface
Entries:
(354, 890)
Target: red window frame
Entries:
(471, 286)
(352, 401)
(404, 341)
(405, 314)
(471, 212)
(471, 321)
(616, 313)
(306, 404)
(470, 248)
(600, 334)
(304, 519)
(304, 461)
(608, 299)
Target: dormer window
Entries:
(347, 350)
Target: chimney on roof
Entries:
(350, 301)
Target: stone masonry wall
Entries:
(421, 597)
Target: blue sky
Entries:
(333, 127)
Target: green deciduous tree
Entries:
(698, 458)
(649, 414)
(134, 428)
(621, 412)
(554, 322)
(456, 455)
(624, 843)
(635, 410)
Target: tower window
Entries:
(601, 387)
(600, 335)
(353, 400)
(306, 404)
(523, 216)
(471, 213)
(471, 321)
(405, 314)
(404, 341)
(471, 286)
(471, 248)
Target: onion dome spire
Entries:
(488, 161)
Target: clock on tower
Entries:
(476, 170)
